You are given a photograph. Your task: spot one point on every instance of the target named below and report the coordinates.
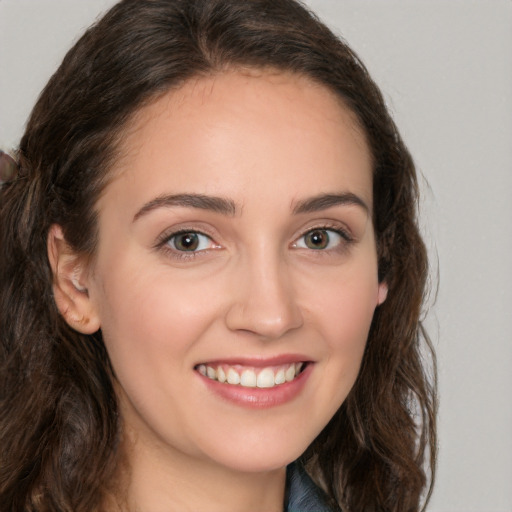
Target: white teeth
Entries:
(266, 378)
(233, 377)
(290, 373)
(221, 376)
(280, 377)
(250, 377)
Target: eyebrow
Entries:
(200, 201)
(325, 201)
(228, 207)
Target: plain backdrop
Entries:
(445, 67)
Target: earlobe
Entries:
(382, 293)
(70, 284)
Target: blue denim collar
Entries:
(303, 495)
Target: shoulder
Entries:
(303, 495)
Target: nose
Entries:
(264, 301)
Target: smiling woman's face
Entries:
(236, 272)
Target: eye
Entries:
(190, 241)
(321, 239)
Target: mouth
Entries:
(264, 377)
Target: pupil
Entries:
(187, 242)
(318, 240)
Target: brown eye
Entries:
(317, 239)
(321, 239)
(190, 242)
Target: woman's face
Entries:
(236, 243)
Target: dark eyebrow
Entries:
(212, 203)
(325, 201)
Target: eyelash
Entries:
(163, 242)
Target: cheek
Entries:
(345, 302)
(352, 311)
(151, 312)
(151, 320)
(346, 323)
(343, 313)
(151, 327)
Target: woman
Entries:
(211, 274)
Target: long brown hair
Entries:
(59, 425)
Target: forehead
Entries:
(255, 128)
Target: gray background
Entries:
(446, 71)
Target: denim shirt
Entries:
(303, 494)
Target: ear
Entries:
(70, 283)
(382, 293)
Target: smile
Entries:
(251, 377)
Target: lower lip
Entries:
(259, 398)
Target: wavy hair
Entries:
(59, 424)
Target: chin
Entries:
(259, 453)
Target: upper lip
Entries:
(258, 361)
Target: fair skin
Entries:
(266, 178)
